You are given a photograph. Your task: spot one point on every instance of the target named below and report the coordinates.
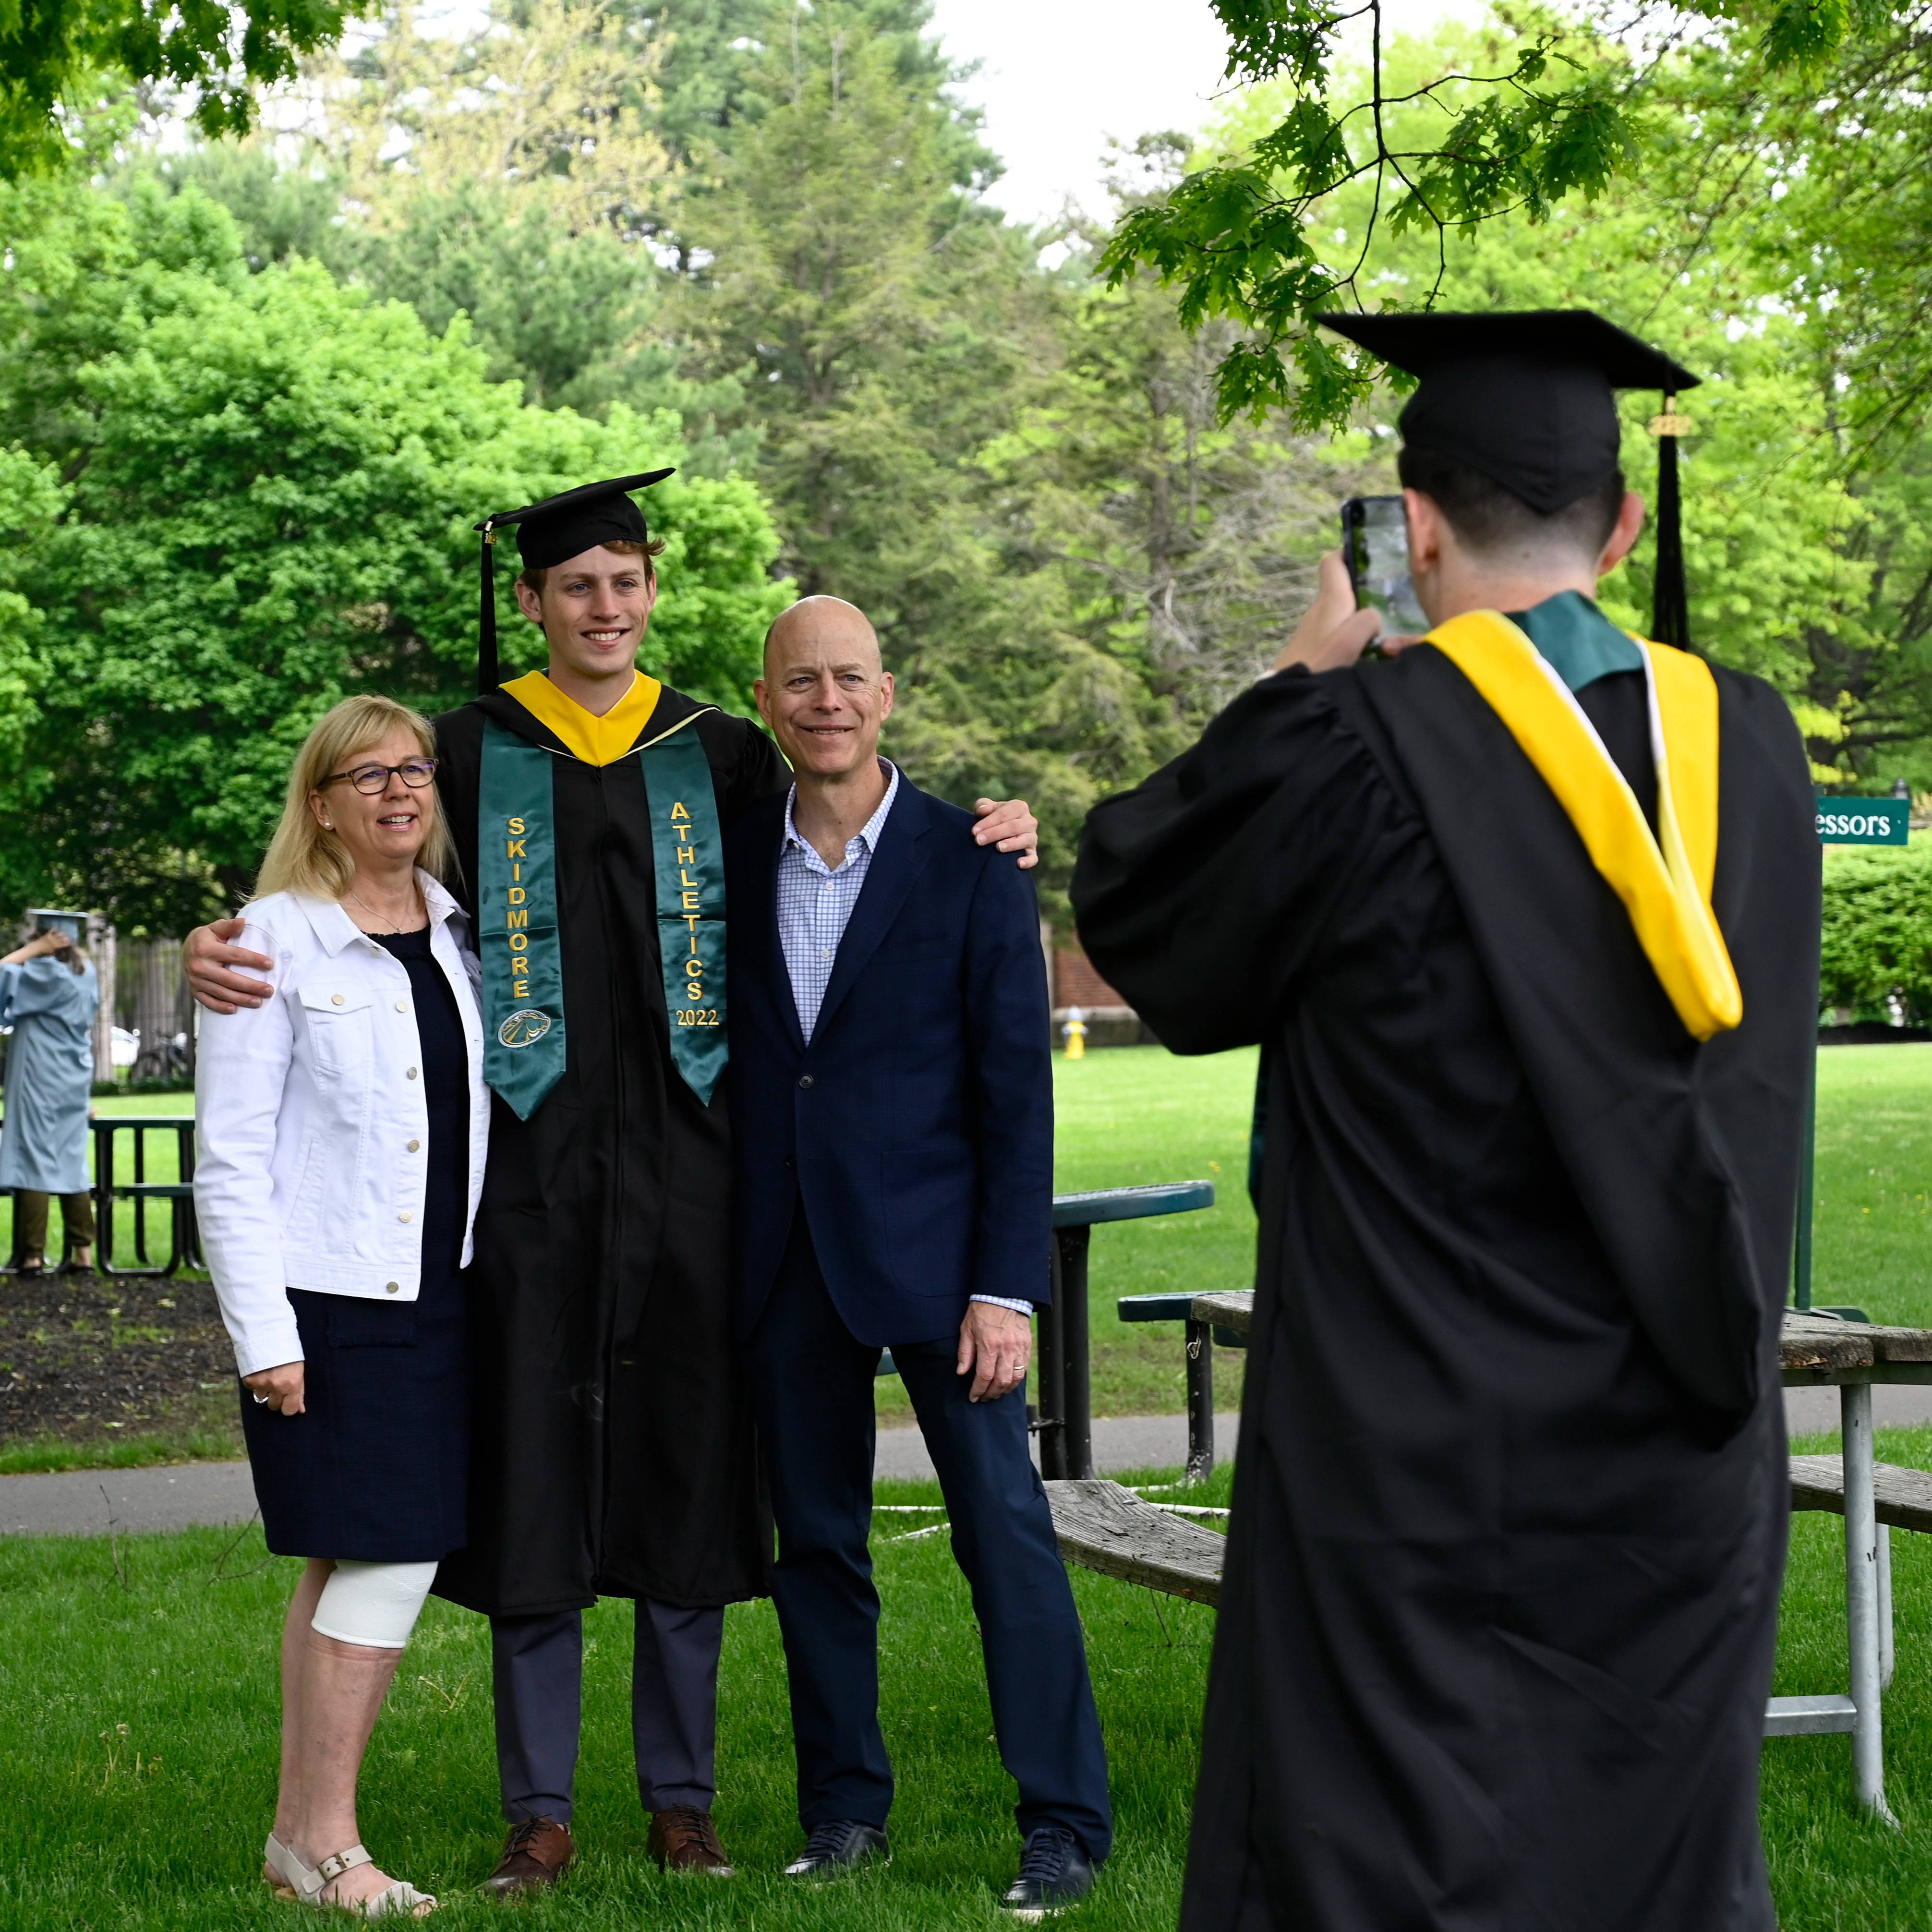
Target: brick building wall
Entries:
(1076, 984)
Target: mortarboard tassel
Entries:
(1670, 604)
(487, 678)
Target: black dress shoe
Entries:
(1054, 1873)
(832, 1850)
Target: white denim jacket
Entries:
(311, 1130)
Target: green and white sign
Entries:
(1864, 821)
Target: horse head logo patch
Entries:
(523, 1028)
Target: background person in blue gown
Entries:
(49, 995)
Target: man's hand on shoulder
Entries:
(995, 1345)
(1008, 821)
(207, 957)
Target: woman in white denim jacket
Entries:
(342, 1126)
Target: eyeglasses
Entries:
(374, 779)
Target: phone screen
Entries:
(1374, 542)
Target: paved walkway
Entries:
(89, 1502)
(1120, 1442)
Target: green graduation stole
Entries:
(518, 937)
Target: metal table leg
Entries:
(1200, 1402)
(1886, 1658)
(1069, 1295)
(1049, 1379)
(1863, 1626)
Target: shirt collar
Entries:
(867, 834)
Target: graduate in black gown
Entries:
(1498, 1618)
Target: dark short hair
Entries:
(537, 575)
(1488, 517)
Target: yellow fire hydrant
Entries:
(1075, 1030)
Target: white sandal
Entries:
(305, 1886)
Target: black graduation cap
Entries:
(1527, 398)
(559, 528)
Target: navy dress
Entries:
(375, 1469)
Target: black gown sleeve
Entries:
(1202, 894)
(746, 766)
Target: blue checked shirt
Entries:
(815, 905)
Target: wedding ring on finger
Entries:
(263, 1400)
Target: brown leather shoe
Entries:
(536, 1853)
(683, 1839)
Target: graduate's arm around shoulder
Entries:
(1202, 893)
(747, 767)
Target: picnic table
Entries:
(176, 1197)
(1815, 1349)
(1064, 1396)
(1061, 1414)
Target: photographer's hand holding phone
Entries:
(1334, 632)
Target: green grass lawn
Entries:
(1874, 1239)
(137, 1759)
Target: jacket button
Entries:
(411, 1074)
(394, 1287)
(804, 1079)
(790, 1161)
(415, 1146)
(338, 999)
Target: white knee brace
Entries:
(373, 1603)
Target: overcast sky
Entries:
(1059, 77)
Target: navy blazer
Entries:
(918, 1125)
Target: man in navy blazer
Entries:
(892, 1108)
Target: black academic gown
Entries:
(613, 1453)
(1502, 1590)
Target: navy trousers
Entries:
(811, 1383)
(538, 1664)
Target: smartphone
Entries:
(1375, 544)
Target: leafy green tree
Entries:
(896, 328)
(270, 484)
(878, 306)
(1776, 531)
(1552, 117)
(54, 54)
(1187, 546)
(1877, 931)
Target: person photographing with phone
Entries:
(1524, 916)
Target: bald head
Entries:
(815, 626)
(825, 693)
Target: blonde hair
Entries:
(302, 857)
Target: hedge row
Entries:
(1878, 930)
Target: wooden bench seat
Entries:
(1102, 1526)
(1903, 1496)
